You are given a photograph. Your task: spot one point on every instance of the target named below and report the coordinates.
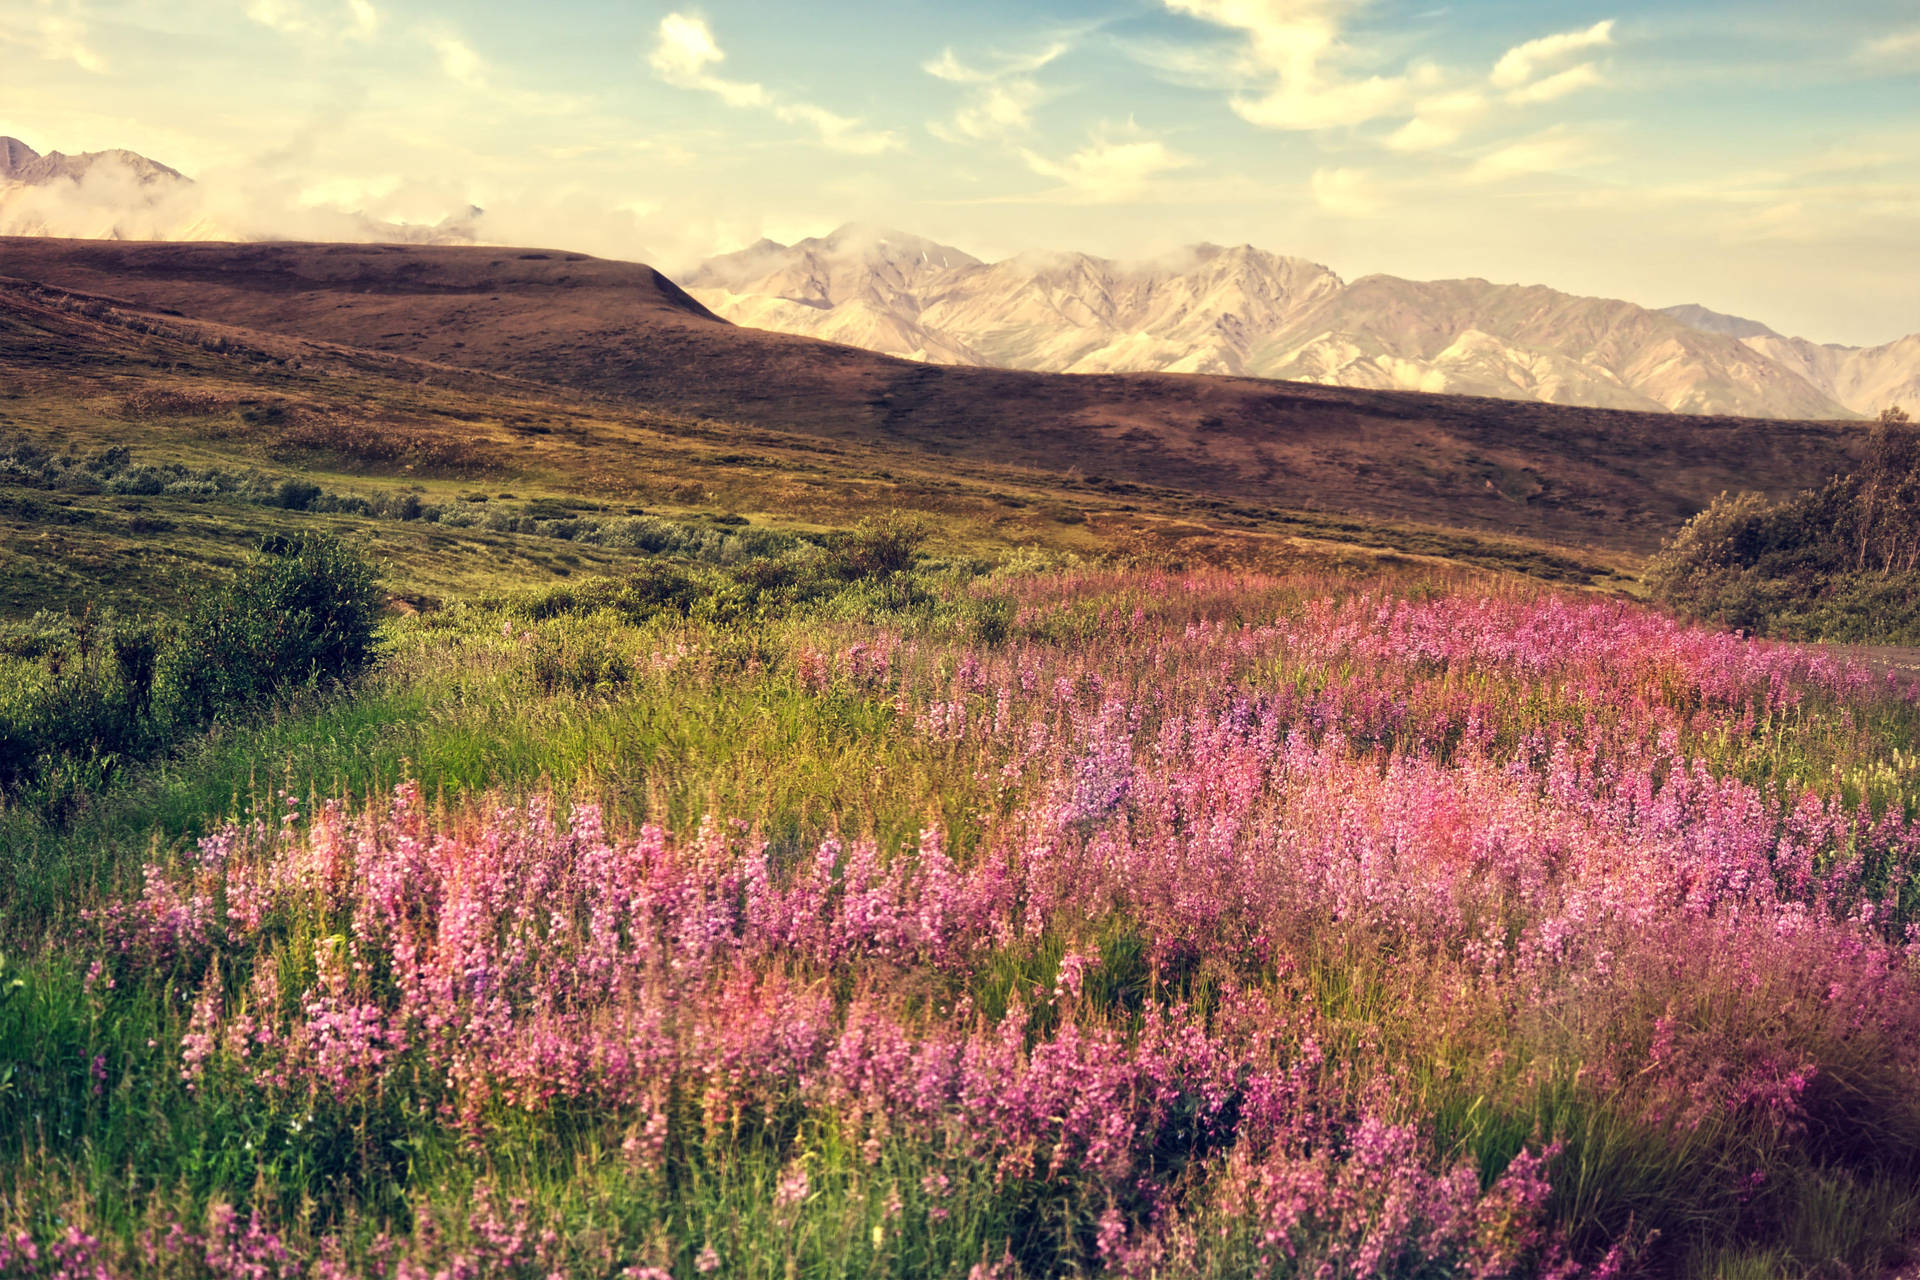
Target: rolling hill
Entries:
(622, 335)
(1238, 311)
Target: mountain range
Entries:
(1248, 312)
(1236, 311)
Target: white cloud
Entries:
(458, 61)
(1001, 98)
(1108, 170)
(1296, 47)
(949, 67)
(58, 31)
(363, 19)
(1900, 45)
(350, 19)
(1584, 76)
(1550, 152)
(1439, 121)
(993, 111)
(1349, 193)
(837, 132)
(1523, 62)
(684, 55)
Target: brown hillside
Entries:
(1576, 476)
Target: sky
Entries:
(1760, 157)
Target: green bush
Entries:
(878, 548)
(296, 495)
(305, 613)
(80, 697)
(1837, 562)
(573, 655)
(77, 707)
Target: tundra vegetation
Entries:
(832, 911)
(477, 831)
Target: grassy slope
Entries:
(83, 378)
(618, 330)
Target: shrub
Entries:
(1838, 562)
(650, 590)
(77, 703)
(572, 655)
(879, 548)
(303, 614)
(295, 494)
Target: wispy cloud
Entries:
(1001, 97)
(458, 61)
(348, 19)
(59, 31)
(1553, 151)
(1296, 47)
(949, 67)
(685, 55)
(1523, 62)
(1350, 193)
(1440, 121)
(1894, 47)
(1109, 169)
(1585, 76)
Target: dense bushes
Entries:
(1838, 562)
(80, 697)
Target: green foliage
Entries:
(574, 655)
(875, 569)
(305, 613)
(879, 549)
(81, 697)
(1837, 562)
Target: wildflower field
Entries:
(1069, 923)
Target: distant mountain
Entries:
(1246, 311)
(123, 195)
(1865, 379)
(1695, 316)
(1209, 309)
(20, 163)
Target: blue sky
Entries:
(1759, 157)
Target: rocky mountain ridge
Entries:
(1246, 311)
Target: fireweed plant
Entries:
(1165, 925)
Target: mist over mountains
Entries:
(1210, 309)
(122, 195)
